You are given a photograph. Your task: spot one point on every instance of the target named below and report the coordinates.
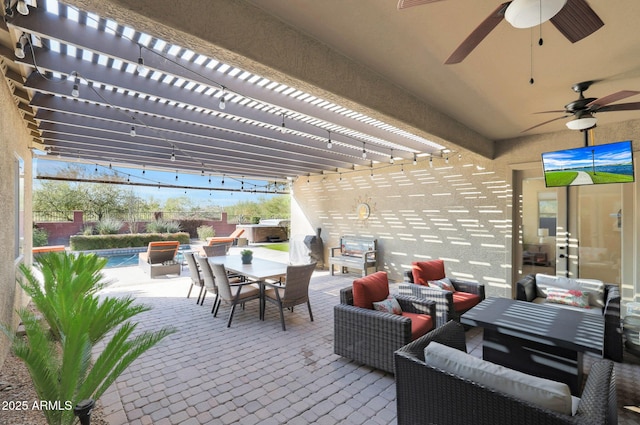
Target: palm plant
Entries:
(59, 358)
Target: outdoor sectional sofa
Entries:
(603, 299)
(427, 394)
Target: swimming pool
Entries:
(129, 257)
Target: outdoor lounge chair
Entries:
(231, 239)
(160, 258)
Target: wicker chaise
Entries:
(370, 336)
(426, 395)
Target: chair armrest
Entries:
(443, 299)
(598, 400)
(417, 305)
(369, 255)
(470, 287)
(408, 276)
(526, 288)
(273, 284)
(452, 335)
(369, 336)
(612, 325)
(333, 250)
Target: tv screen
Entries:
(609, 163)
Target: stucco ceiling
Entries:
(490, 91)
(381, 71)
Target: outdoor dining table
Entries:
(259, 269)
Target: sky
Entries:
(201, 196)
(607, 154)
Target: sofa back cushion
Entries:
(370, 289)
(594, 287)
(545, 393)
(424, 271)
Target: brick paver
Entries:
(251, 373)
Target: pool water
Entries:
(131, 259)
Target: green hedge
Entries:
(84, 242)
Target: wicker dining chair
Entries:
(295, 291)
(196, 279)
(245, 291)
(209, 284)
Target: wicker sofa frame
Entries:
(526, 290)
(443, 299)
(426, 395)
(370, 336)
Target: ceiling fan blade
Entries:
(614, 97)
(576, 20)
(558, 111)
(546, 122)
(404, 4)
(478, 35)
(633, 106)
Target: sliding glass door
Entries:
(575, 231)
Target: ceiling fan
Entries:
(583, 108)
(573, 18)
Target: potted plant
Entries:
(247, 256)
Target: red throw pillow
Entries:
(424, 271)
(370, 289)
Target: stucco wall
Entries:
(13, 141)
(458, 211)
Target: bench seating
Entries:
(356, 253)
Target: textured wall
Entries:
(459, 212)
(13, 141)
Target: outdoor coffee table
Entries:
(542, 340)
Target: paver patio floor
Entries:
(253, 372)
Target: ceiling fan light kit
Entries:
(529, 13)
(583, 123)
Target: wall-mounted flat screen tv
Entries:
(608, 163)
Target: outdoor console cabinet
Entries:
(356, 253)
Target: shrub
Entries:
(40, 237)
(205, 232)
(190, 225)
(88, 230)
(85, 243)
(108, 226)
(162, 226)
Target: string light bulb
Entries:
(75, 92)
(329, 142)
(173, 154)
(415, 159)
(364, 151)
(223, 99)
(283, 127)
(132, 132)
(140, 67)
(391, 160)
(22, 8)
(431, 162)
(19, 51)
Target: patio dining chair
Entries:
(234, 294)
(209, 283)
(196, 279)
(295, 291)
